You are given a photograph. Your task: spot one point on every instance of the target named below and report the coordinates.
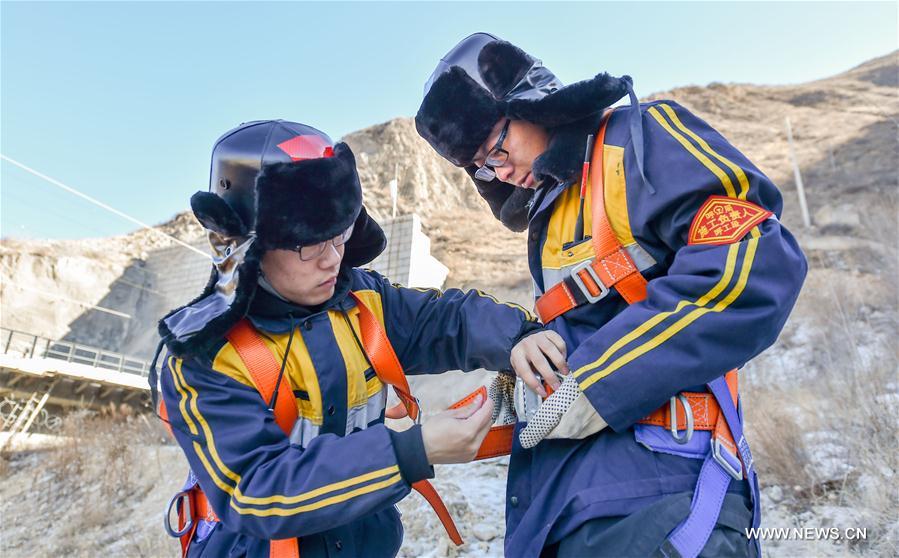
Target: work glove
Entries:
(502, 392)
(567, 413)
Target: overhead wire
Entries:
(70, 300)
(105, 206)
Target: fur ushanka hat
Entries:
(483, 79)
(273, 185)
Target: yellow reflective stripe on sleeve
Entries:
(518, 307)
(682, 323)
(188, 393)
(321, 503)
(182, 402)
(737, 170)
(713, 293)
(715, 169)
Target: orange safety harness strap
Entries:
(385, 362)
(264, 369)
(389, 370)
(705, 414)
(612, 266)
(499, 438)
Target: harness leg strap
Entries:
(688, 539)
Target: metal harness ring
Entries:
(688, 413)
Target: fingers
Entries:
(539, 353)
(556, 353)
(480, 421)
(557, 340)
(541, 365)
(472, 408)
(537, 358)
(522, 367)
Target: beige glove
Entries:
(502, 392)
(567, 413)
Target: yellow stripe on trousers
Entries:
(234, 491)
(682, 323)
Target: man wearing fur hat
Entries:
(275, 379)
(657, 254)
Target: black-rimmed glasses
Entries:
(496, 157)
(313, 251)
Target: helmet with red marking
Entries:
(273, 184)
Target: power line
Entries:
(98, 203)
(71, 300)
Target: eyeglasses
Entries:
(312, 251)
(496, 157)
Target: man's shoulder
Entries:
(367, 279)
(661, 104)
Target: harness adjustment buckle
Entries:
(688, 414)
(420, 410)
(728, 461)
(579, 281)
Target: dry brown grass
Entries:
(100, 488)
(826, 434)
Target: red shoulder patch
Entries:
(724, 220)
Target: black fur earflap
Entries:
(214, 213)
(366, 243)
(502, 65)
(570, 103)
(508, 203)
(457, 116)
(183, 338)
(564, 156)
(307, 201)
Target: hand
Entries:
(567, 413)
(454, 436)
(534, 354)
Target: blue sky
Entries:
(123, 100)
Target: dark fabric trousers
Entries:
(641, 533)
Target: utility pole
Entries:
(803, 207)
(394, 187)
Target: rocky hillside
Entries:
(821, 404)
(845, 132)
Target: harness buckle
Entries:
(587, 265)
(183, 496)
(728, 461)
(420, 410)
(688, 414)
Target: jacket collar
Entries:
(274, 314)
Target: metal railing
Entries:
(28, 345)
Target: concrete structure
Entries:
(407, 259)
(38, 373)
